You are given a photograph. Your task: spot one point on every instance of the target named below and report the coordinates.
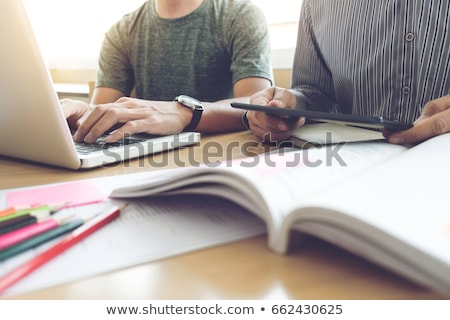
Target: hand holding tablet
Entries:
(378, 123)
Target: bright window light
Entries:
(70, 32)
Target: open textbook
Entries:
(386, 203)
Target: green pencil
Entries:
(40, 239)
(51, 208)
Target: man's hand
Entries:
(270, 127)
(127, 116)
(75, 112)
(435, 120)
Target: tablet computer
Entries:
(377, 123)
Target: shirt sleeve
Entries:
(247, 39)
(310, 74)
(115, 70)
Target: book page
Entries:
(287, 180)
(332, 133)
(272, 184)
(397, 214)
(407, 197)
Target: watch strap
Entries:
(197, 110)
(245, 120)
(196, 116)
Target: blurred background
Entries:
(70, 33)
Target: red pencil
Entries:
(72, 238)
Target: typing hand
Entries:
(75, 112)
(127, 116)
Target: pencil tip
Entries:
(57, 206)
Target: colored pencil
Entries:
(22, 234)
(21, 221)
(65, 243)
(40, 239)
(51, 208)
(11, 210)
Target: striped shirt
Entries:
(373, 57)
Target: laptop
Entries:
(32, 125)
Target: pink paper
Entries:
(73, 193)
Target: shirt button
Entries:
(410, 37)
(406, 90)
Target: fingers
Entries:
(423, 129)
(274, 96)
(127, 129)
(436, 106)
(74, 111)
(268, 127)
(102, 119)
(263, 97)
(283, 98)
(129, 116)
(435, 120)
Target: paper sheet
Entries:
(145, 231)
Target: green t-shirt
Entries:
(202, 54)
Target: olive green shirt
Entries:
(202, 54)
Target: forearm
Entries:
(221, 117)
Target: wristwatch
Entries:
(196, 107)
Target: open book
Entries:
(386, 203)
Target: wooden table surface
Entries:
(240, 270)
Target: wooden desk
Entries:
(242, 270)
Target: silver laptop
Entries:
(32, 125)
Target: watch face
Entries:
(189, 100)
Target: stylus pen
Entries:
(22, 221)
(65, 243)
(22, 234)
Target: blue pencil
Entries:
(40, 239)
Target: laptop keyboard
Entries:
(87, 148)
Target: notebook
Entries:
(32, 125)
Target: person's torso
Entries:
(390, 56)
(182, 56)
